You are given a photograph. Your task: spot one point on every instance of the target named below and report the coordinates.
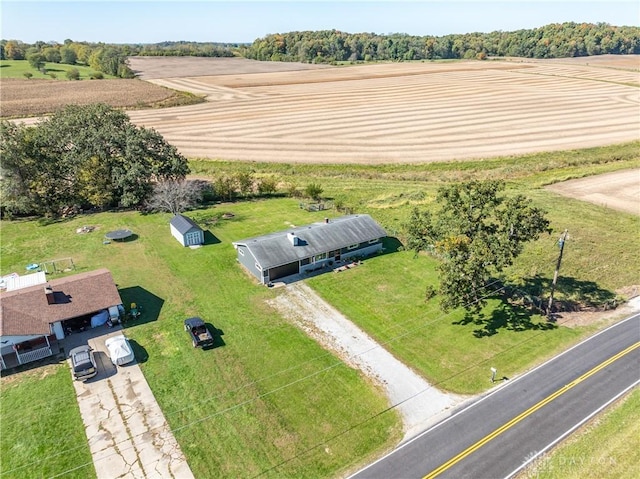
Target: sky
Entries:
(240, 21)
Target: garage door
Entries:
(284, 270)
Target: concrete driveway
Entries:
(127, 432)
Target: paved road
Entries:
(496, 436)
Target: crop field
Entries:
(22, 98)
(401, 112)
(274, 403)
(369, 114)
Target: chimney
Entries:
(326, 221)
(48, 292)
(293, 239)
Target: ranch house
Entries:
(186, 231)
(34, 319)
(310, 247)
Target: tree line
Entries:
(330, 46)
(551, 41)
(106, 58)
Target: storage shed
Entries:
(186, 231)
(310, 247)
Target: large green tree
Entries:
(476, 233)
(36, 60)
(83, 155)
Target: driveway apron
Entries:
(127, 432)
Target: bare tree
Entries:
(175, 196)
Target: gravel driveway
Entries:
(419, 403)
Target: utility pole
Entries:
(561, 242)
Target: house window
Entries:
(373, 241)
(319, 257)
(305, 261)
(353, 246)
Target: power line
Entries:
(46, 402)
(252, 399)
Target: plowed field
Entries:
(20, 97)
(402, 112)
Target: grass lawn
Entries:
(269, 401)
(17, 69)
(385, 297)
(608, 446)
(41, 429)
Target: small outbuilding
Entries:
(310, 247)
(186, 231)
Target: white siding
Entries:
(176, 234)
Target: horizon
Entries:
(243, 22)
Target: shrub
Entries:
(73, 74)
(314, 191)
(97, 76)
(28, 75)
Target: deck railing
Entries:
(34, 355)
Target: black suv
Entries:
(83, 363)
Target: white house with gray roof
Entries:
(186, 231)
(306, 248)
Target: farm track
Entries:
(401, 112)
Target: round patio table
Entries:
(118, 234)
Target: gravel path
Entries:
(419, 403)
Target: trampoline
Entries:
(118, 234)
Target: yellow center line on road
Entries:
(528, 412)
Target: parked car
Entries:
(200, 335)
(120, 350)
(83, 363)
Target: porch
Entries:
(28, 351)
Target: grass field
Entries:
(270, 389)
(17, 69)
(270, 397)
(41, 429)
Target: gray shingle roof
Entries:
(275, 249)
(183, 224)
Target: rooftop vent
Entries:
(48, 292)
(293, 239)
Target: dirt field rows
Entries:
(33, 97)
(414, 112)
(619, 190)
